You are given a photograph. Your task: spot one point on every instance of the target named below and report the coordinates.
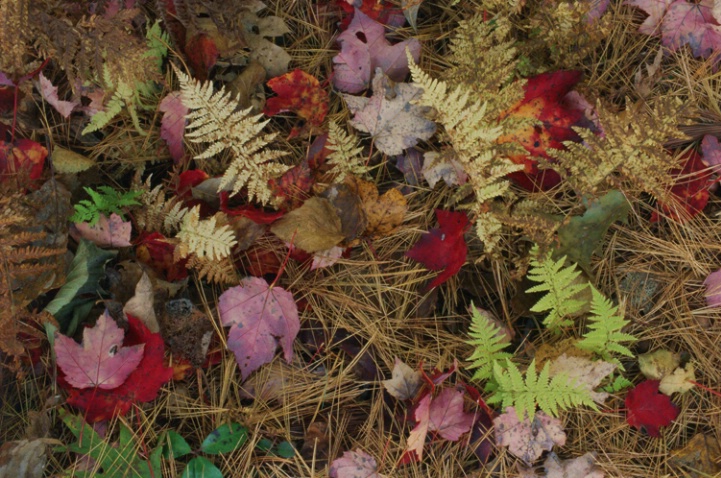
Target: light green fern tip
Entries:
(536, 390)
(488, 343)
(563, 289)
(604, 336)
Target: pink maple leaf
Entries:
(693, 25)
(101, 361)
(172, 126)
(443, 414)
(355, 464)
(655, 9)
(364, 48)
(50, 94)
(260, 318)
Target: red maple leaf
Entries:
(648, 409)
(690, 193)
(142, 384)
(154, 250)
(443, 248)
(300, 93)
(23, 160)
(547, 100)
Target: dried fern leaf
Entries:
(346, 153)
(204, 238)
(214, 118)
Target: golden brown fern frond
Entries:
(631, 149)
(220, 272)
(13, 35)
(158, 213)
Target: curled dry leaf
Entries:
(525, 439)
(315, 226)
(141, 304)
(383, 212)
(404, 382)
(583, 371)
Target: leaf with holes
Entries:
(260, 319)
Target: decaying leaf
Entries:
(525, 439)
(172, 126)
(300, 93)
(66, 161)
(385, 212)
(23, 459)
(445, 166)
(583, 371)
(141, 304)
(313, 227)
(700, 458)
(355, 464)
(681, 380)
(390, 116)
(659, 363)
(404, 382)
(580, 467)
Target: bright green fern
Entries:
(536, 390)
(488, 342)
(563, 289)
(605, 335)
(105, 200)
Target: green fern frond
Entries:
(562, 285)
(204, 238)
(214, 118)
(605, 336)
(619, 383)
(536, 390)
(105, 200)
(488, 342)
(346, 153)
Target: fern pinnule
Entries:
(158, 213)
(488, 342)
(605, 336)
(563, 285)
(204, 238)
(214, 118)
(346, 152)
(536, 390)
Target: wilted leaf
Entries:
(66, 161)
(584, 372)
(355, 464)
(647, 409)
(700, 457)
(410, 11)
(581, 467)
(141, 304)
(260, 319)
(525, 439)
(659, 363)
(172, 126)
(679, 381)
(101, 361)
(384, 213)
(443, 166)
(364, 48)
(405, 381)
(110, 232)
(582, 235)
(315, 226)
(390, 116)
(50, 94)
(23, 459)
(326, 258)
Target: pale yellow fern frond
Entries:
(204, 238)
(346, 153)
(214, 118)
